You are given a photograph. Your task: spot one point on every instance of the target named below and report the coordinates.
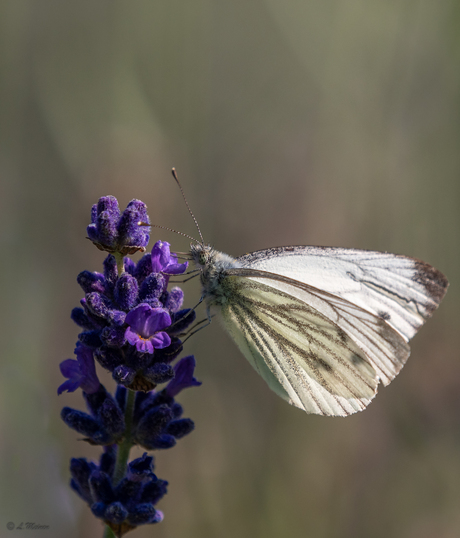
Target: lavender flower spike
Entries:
(131, 324)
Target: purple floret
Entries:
(145, 330)
(183, 376)
(165, 262)
(80, 372)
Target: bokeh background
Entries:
(289, 122)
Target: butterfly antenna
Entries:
(174, 173)
(169, 230)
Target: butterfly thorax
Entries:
(213, 266)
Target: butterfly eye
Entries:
(203, 258)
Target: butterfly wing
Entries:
(320, 352)
(401, 290)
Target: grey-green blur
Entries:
(322, 122)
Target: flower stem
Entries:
(124, 447)
(108, 533)
(120, 262)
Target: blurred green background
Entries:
(289, 122)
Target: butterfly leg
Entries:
(195, 271)
(194, 330)
(188, 313)
(208, 319)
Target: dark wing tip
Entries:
(434, 281)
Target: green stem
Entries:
(108, 533)
(120, 262)
(123, 448)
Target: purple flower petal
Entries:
(80, 372)
(164, 262)
(71, 385)
(70, 368)
(146, 321)
(161, 256)
(184, 376)
(90, 383)
(175, 268)
(158, 320)
(138, 318)
(158, 518)
(145, 346)
(145, 328)
(131, 336)
(160, 340)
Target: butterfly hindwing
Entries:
(302, 354)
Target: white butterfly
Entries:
(323, 326)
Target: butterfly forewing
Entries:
(302, 354)
(401, 290)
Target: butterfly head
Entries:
(206, 258)
(201, 254)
